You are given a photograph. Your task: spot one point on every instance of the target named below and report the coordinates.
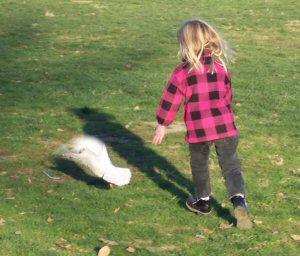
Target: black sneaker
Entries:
(241, 213)
(198, 205)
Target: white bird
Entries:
(92, 153)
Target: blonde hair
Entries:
(194, 37)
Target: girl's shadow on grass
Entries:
(131, 147)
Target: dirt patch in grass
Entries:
(293, 25)
(5, 153)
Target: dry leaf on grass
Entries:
(225, 225)
(104, 251)
(156, 170)
(108, 242)
(117, 210)
(296, 237)
(49, 220)
(2, 221)
(49, 14)
(130, 249)
(131, 222)
(280, 194)
(18, 232)
(207, 230)
(257, 222)
(129, 205)
(224, 205)
(200, 236)
(129, 66)
(294, 171)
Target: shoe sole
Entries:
(243, 220)
(197, 211)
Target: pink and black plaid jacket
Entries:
(208, 102)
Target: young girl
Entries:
(204, 82)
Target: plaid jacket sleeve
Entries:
(228, 96)
(170, 102)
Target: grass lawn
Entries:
(99, 67)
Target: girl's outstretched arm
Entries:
(160, 132)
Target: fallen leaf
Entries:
(238, 104)
(200, 236)
(2, 221)
(156, 170)
(130, 249)
(294, 171)
(49, 220)
(132, 222)
(128, 205)
(295, 237)
(104, 251)
(207, 230)
(136, 108)
(18, 232)
(60, 130)
(280, 194)
(108, 242)
(257, 222)
(117, 210)
(49, 14)
(225, 225)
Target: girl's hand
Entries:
(160, 132)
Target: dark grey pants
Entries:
(229, 163)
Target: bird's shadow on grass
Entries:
(75, 171)
(138, 155)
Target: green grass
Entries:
(64, 71)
